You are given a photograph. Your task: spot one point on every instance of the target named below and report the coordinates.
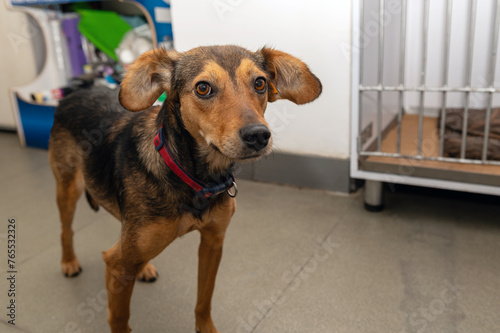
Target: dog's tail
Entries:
(93, 204)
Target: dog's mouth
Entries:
(242, 155)
(255, 155)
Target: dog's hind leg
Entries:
(66, 163)
(69, 190)
(148, 273)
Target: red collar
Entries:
(203, 190)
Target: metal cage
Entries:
(412, 61)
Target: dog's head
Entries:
(222, 92)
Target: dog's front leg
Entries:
(210, 253)
(120, 279)
(124, 260)
(209, 256)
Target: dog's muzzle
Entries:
(255, 137)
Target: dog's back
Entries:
(86, 109)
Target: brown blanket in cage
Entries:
(475, 133)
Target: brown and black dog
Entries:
(213, 117)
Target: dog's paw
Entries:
(199, 331)
(148, 273)
(71, 268)
(206, 327)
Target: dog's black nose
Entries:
(255, 136)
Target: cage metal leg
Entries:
(374, 196)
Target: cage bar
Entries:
(425, 31)
(401, 88)
(470, 48)
(446, 61)
(361, 46)
(430, 89)
(380, 74)
(402, 58)
(429, 158)
(491, 71)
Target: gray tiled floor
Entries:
(425, 264)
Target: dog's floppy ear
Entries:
(290, 77)
(147, 78)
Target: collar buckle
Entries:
(235, 190)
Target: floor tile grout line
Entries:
(265, 315)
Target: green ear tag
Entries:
(163, 97)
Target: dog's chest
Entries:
(188, 223)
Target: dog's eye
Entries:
(203, 89)
(260, 84)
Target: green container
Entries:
(105, 29)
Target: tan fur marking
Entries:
(249, 70)
(212, 72)
(154, 237)
(63, 155)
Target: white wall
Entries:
(17, 63)
(314, 31)
(369, 45)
